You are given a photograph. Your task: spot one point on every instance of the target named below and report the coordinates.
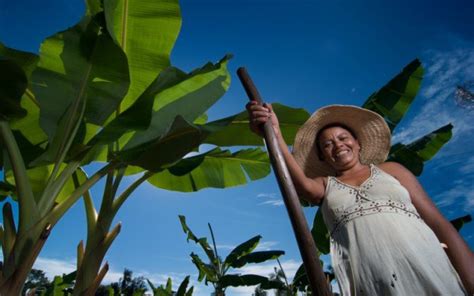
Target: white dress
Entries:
(379, 243)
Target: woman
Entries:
(385, 230)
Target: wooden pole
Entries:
(308, 250)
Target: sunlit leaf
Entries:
(200, 241)
(393, 100)
(234, 130)
(216, 168)
(146, 30)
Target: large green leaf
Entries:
(27, 61)
(181, 139)
(216, 168)
(237, 280)
(413, 155)
(320, 233)
(138, 116)
(189, 98)
(234, 130)
(200, 241)
(257, 257)
(13, 83)
(458, 223)
(81, 68)
(393, 100)
(146, 30)
(242, 250)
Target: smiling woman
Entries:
(385, 231)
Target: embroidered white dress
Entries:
(379, 243)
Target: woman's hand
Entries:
(259, 114)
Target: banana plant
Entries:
(216, 270)
(105, 91)
(167, 290)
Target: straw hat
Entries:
(370, 128)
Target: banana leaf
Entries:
(237, 280)
(393, 100)
(242, 250)
(13, 83)
(458, 223)
(200, 241)
(82, 76)
(234, 130)
(206, 271)
(413, 155)
(146, 31)
(256, 257)
(320, 233)
(25, 60)
(216, 168)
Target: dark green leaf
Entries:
(13, 83)
(182, 288)
(205, 271)
(423, 149)
(237, 280)
(393, 100)
(6, 190)
(201, 241)
(458, 223)
(320, 233)
(256, 257)
(300, 280)
(242, 249)
(27, 61)
(234, 130)
(216, 168)
(181, 138)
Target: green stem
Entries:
(219, 267)
(54, 187)
(91, 214)
(123, 197)
(61, 208)
(28, 211)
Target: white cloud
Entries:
(225, 247)
(462, 192)
(266, 246)
(468, 166)
(273, 202)
(444, 71)
(53, 267)
(274, 199)
(267, 195)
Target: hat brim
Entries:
(371, 131)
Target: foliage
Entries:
(104, 90)
(167, 290)
(129, 285)
(459, 222)
(36, 280)
(216, 270)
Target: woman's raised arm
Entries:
(310, 189)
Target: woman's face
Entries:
(339, 148)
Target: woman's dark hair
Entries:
(335, 124)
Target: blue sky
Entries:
(300, 53)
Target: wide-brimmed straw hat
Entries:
(370, 129)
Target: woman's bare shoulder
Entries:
(393, 168)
